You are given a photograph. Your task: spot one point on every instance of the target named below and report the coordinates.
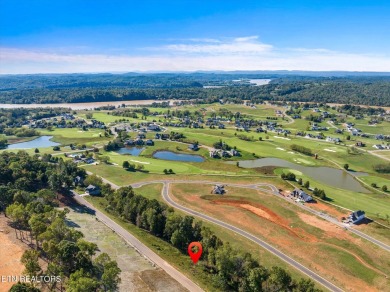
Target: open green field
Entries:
(151, 191)
(379, 181)
(384, 153)
(382, 128)
(101, 116)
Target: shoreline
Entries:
(82, 105)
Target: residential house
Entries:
(92, 190)
(301, 195)
(218, 190)
(193, 147)
(356, 216)
(78, 180)
(149, 142)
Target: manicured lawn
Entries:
(379, 181)
(382, 128)
(101, 116)
(76, 136)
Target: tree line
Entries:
(347, 90)
(29, 190)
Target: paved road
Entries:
(281, 255)
(143, 249)
(273, 190)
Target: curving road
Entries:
(268, 247)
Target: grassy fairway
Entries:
(76, 136)
(101, 116)
(331, 251)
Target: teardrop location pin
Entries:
(195, 255)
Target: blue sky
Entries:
(42, 36)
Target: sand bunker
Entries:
(330, 150)
(281, 149)
(284, 138)
(142, 162)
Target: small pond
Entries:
(169, 155)
(327, 175)
(135, 151)
(40, 142)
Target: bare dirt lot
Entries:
(11, 251)
(138, 274)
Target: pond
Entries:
(135, 151)
(327, 175)
(169, 155)
(40, 142)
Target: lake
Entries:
(169, 155)
(327, 175)
(135, 151)
(260, 82)
(40, 142)
(82, 105)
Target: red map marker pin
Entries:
(195, 255)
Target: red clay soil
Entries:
(269, 215)
(328, 209)
(11, 251)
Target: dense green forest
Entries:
(24, 89)
(29, 190)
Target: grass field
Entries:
(76, 136)
(152, 192)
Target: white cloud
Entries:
(242, 45)
(244, 53)
(246, 39)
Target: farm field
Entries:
(290, 229)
